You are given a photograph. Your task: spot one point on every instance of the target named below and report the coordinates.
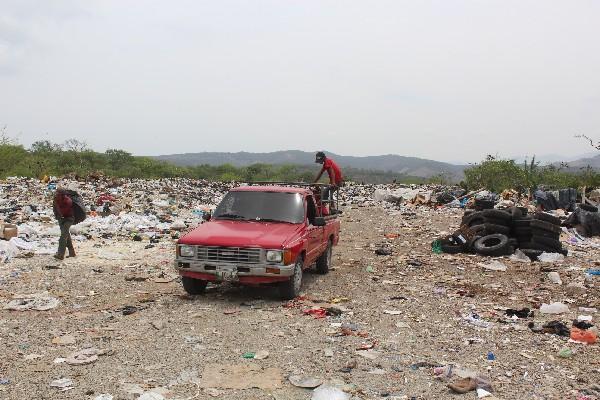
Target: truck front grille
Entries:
(229, 254)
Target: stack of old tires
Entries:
(491, 231)
(540, 233)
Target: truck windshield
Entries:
(262, 206)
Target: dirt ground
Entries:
(410, 307)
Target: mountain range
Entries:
(410, 166)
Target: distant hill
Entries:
(593, 162)
(411, 166)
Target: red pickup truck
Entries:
(260, 235)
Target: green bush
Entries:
(496, 175)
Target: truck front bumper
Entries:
(243, 273)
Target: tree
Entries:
(76, 146)
(45, 146)
(117, 159)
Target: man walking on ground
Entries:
(65, 215)
(333, 171)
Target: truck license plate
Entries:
(226, 273)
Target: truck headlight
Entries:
(186, 251)
(274, 256)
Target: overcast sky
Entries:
(447, 80)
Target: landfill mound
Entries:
(393, 319)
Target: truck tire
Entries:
(548, 242)
(324, 261)
(473, 219)
(532, 253)
(545, 226)
(497, 221)
(492, 245)
(542, 216)
(290, 289)
(452, 248)
(542, 233)
(193, 286)
(497, 214)
(493, 228)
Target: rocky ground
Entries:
(401, 316)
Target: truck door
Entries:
(315, 233)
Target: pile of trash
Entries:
(430, 195)
(132, 209)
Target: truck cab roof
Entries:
(274, 188)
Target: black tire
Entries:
(516, 213)
(324, 261)
(290, 289)
(542, 216)
(193, 286)
(492, 245)
(496, 221)
(541, 247)
(478, 229)
(548, 242)
(522, 223)
(542, 233)
(523, 231)
(470, 246)
(452, 248)
(468, 212)
(484, 204)
(545, 226)
(532, 253)
(472, 219)
(513, 242)
(493, 228)
(587, 207)
(497, 214)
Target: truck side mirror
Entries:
(207, 216)
(319, 221)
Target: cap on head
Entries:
(320, 157)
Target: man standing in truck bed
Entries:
(335, 176)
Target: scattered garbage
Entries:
(587, 336)
(493, 265)
(551, 257)
(551, 327)
(554, 277)
(326, 392)
(62, 384)
(565, 353)
(82, 357)
(151, 396)
(35, 302)
(522, 313)
(554, 308)
(306, 382)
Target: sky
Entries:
(450, 80)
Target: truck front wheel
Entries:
(193, 286)
(291, 289)
(324, 261)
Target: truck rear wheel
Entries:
(193, 286)
(290, 289)
(324, 261)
